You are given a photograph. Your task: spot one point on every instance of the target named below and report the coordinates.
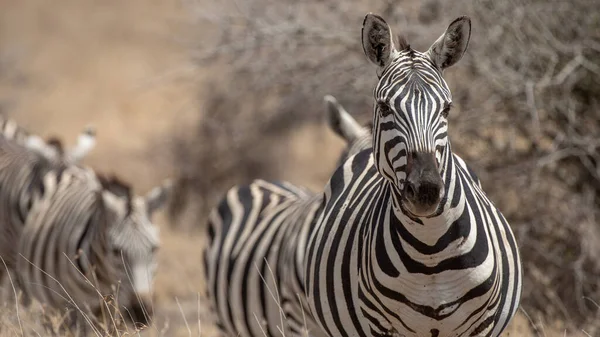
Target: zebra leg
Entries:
(13, 289)
(21, 290)
(76, 324)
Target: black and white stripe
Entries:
(383, 262)
(255, 255)
(64, 222)
(253, 260)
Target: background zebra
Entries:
(253, 261)
(407, 243)
(75, 237)
(51, 148)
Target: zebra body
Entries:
(253, 259)
(69, 217)
(374, 271)
(259, 232)
(76, 236)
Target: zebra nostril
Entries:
(410, 191)
(429, 193)
(140, 312)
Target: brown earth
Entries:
(124, 67)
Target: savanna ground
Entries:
(152, 77)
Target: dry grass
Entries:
(124, 66)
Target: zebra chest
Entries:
(413, 299)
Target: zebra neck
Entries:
(442, 225)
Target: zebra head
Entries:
(412, 101)
(134, 240)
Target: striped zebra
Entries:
(250, 234)
(52, 147)
(407, 243)
(77, 236)
(403, 242)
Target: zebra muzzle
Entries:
(424, 187)
(140, 311)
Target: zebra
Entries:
(77, 236)
(402, 242)
(407, 243)
(288, 214)
(52, 147)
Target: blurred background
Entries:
(216, 93)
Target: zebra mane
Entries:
(118, 187)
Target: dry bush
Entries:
(276, 61)
(204, 173)
(533, 94)
(527, 115)
(267, 53)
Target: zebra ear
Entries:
(157, 197)
(377, 40)
(85, 143)
(112, 201)
(451, 46)
(50, 149)
(341, 122)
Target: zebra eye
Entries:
(445, 112)
(116, 251)
(446, 109)
(384, 109)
